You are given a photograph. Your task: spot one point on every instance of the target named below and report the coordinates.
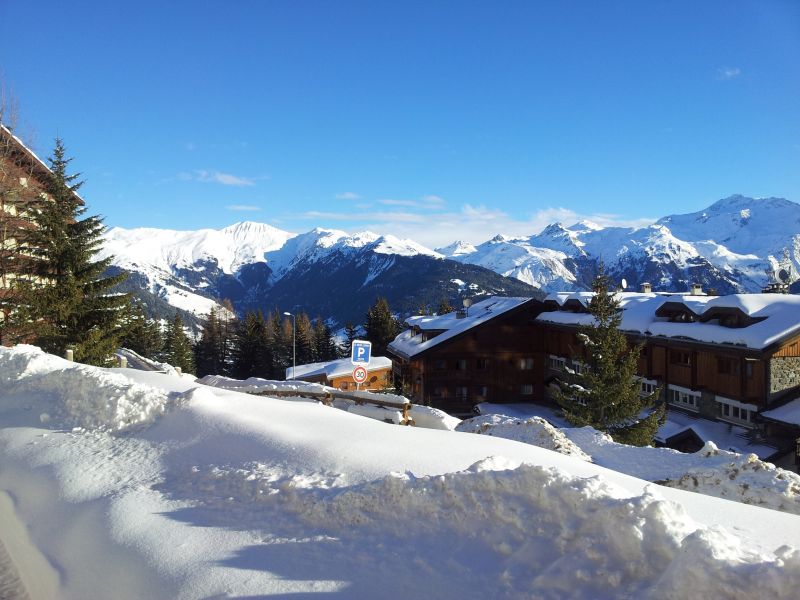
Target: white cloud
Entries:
(347, 196)
(223, 178)
(430, 202)
(243, 207)
(726, 73)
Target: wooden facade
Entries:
(724, 382)
(379, 377)
(494, 361)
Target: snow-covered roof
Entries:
(788, 413)
(411, 342)
(336, 368)
(776, 316)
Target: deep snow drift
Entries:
(178, 490)
(711, 471)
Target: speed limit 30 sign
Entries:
(359, 374)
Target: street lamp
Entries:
(294, 345)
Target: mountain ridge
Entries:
(732, 246)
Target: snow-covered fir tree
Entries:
(605, 394)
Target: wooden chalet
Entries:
(23, 181)
(339, 374)
(480, 354)
(730, 359)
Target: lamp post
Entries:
(294, 345)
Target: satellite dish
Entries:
(784, 275)
(624, 283)
(467, 302)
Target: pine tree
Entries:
(212, 351)
(325, 347)
(444, 307)
(251, 355)
(141, 334)
(381, 326)
(606, 393)
(351, 333)
(304, 340)
(177, 349)
(71, 306)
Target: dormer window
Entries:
(676, 312)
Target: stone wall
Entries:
(784, 374)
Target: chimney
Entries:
(697, 289)
(647, 288)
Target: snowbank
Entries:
(742, 478)
(432, 418)
(256, 385)
(535, 431)
(62, 394)
(711, 471)
(234, 495)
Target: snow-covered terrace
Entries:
(774, 317)
(335, 368)
(417, 338)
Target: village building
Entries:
(721, 362)
(482, 353)
(339, 374)
(23, 181)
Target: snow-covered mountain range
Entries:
(732, 246)
(323, 272)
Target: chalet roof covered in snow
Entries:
(426, 331)
(763, 319)
(336, 368)
(788, 413)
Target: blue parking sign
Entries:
(361, 351)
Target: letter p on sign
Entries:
(361, 351)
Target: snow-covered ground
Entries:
(711, 471)
(136, 484)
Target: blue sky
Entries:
(430, 120)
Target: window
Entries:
(578, 367)
(482, 364)
(526, 389)
(481, 391)
(736, 412)
(344, 385)
(462, 392)
(727, 366)
(748, 369)
(440, 392)
(556, 363)
(461, 364)
(526, 364)
(680, 357)
(648, 386)
(683, 397)
(439, 364)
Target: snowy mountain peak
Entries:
(585, 225)
(457, 248)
